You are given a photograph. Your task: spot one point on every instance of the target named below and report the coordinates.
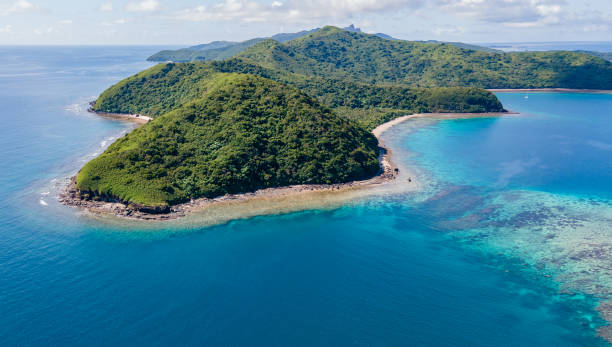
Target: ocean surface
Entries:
(597, 46)
(508, 244)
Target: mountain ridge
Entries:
(336, 53)
(219, 50)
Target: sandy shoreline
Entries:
(138, 118)
(392, 179)
(554, 90)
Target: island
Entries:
(220, 50)
(297, 112)
(246, 133)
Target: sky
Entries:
(188, 22)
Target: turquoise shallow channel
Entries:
(508, 244)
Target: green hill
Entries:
(243, 133)
(603, 55)
(212, 45)
(164, 87)
(219, 50)
(335, 53)
(190, 54)
(464, 46)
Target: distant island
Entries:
(604, 55)
(296, 113)
(219, 50)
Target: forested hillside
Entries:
(242, 134)
(219, 50)
(166, 86)
(335, 53)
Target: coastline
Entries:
(369, 268)
(273, 200)
(71, 197)
(138, 118)
(551, 90)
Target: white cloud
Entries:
(7, 29)
(65, 21)
(45, 31)
(514, 13)
(589, 21)
(596, 27)
(19, 6)
(295, 10)
(507, 13)
(117, 21)
(106, 7)
(343, 8)
(441, 31)
(555, 15)
(229, 10)
(143, 6)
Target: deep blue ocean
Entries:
(508, 243)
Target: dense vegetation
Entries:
(603, 55)
(204, 52)
(335, 53)
(164, 87)
(465, 46)
(298, 112)
(243, 133)
(219, 50)
(379, 59)
(157, 90)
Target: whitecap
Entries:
(79, 107)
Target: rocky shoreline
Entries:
(71, 196)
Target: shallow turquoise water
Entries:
(461, 263)
(561, 143)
